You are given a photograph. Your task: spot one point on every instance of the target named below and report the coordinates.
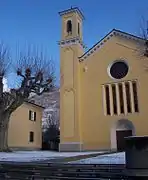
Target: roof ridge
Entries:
(120, 31)
(107, 37)
(96, 43)
(71, 10)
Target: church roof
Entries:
(106, 38)
(70, 10)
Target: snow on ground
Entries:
(116, 158)
(28, 156)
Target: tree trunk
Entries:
(4, 122)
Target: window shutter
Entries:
(34, 116)
(31, 136)
(29, 115)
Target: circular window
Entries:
(119, 70)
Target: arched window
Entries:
(69, 27)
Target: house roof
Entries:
(32, 103)
(106, 38)
(72, 9)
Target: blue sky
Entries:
(37, 23)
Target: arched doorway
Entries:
(121, 129)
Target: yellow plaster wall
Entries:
(20, 126)
(95, 126)
(82, 116)
(70, 108)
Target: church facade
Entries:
(103, 92)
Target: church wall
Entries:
(69, 90)
(95, 124)
(71, 47)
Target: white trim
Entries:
(71, 41)
(124, 99)
(112, 63)
(118, 99)
(111, 100)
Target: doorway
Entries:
(120, 136)
(120, 129)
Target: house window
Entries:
(32, 115)
(128, 98)
(69, 27)
(31, 136)
(135, 97)
(114, 98)
(107, 100)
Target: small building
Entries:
(103, 91)
(25, 127)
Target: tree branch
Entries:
(12, 100)
(4, 64)
(1, 88)
(36, 73)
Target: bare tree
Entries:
(143, 47)
(36, 74)
(53, 120)
(51, 132)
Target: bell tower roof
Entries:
(71, 10)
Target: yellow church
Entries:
(103, 92)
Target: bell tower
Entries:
(71, 48)
(72, 20)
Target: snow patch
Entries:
(116, 158)
(29, 156)
(51, 102)
(5, 83)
